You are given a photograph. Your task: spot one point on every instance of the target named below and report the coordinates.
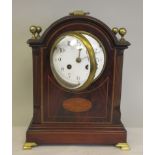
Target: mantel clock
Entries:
(77, 78)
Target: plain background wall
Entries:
(126, 13)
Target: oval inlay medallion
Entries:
(77, 104)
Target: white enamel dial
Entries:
(70, 60)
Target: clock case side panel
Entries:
(37, 87)
(117, 86)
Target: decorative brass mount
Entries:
(79, 13)
(115, 30)
(35, 30)
(123, 146)
(29, 145)
(122, 32)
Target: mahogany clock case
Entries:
(52, 123)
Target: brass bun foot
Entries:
(123, 146)
(29, 145)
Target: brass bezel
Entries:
(104, 51)
(93, 64)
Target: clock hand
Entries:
(78, 59)
(80, 52)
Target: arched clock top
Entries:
(80, 23)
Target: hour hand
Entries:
(78, 59)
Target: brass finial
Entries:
(78, 13)
(33, 30)
(122, 32)
(115, 30)
(39, 29)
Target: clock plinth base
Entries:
(56, 133)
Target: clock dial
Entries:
(70, 60)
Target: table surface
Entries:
(134, 140)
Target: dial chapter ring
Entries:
(93, 64)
